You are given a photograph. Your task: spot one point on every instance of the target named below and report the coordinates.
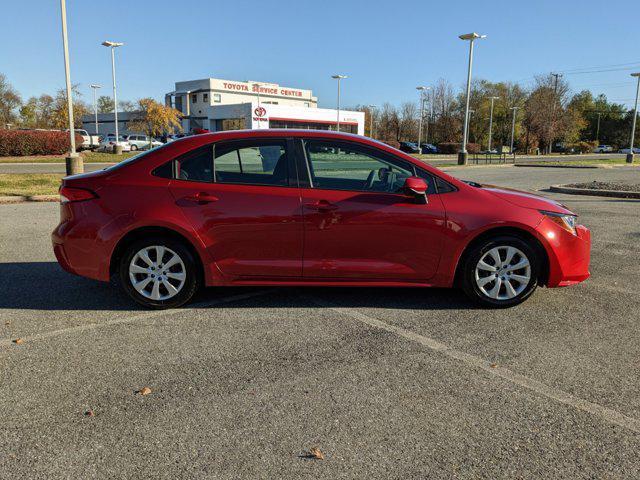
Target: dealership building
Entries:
(217, 105)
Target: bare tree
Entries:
(9, 102)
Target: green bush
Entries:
(34, 142)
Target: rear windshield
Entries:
(135, 158)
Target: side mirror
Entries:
(415, 186)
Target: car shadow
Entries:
(45, 286)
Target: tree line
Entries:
(49, 111)
(546, 114)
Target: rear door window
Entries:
(252, 162)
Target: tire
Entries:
(134, 148)
(171, 288)
(500, 284)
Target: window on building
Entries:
(252, 162)
(217, 98)
(205, 97)
(347, 166)
(194, 98)
(306, 104)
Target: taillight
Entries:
(70, 194)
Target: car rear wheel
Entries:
(159, 273)
(500, 272)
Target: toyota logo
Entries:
(260, 112)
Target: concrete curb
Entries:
(537, 165)
(29, 198)
(593, 192)
(456, 167)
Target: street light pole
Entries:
(117, 149)
(635, 116)
(491, 121)
(471, 37)
(513, 127)
(95, 104)
(73, 161)
(338, 77)
(471, 112)
(421, 89)
(371, 108)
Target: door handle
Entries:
(201, 198)
(322, 206)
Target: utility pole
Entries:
(553, 114)
(95, 88)
(635, 116)
(598, 129)
(470, 37)
(513, 128)
(421, 89)
(338, 77)
(73, 160)
(371, 109)
(491, 121)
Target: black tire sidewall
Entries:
(189, 288)
(471, 260)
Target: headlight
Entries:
(568, 222)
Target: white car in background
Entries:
(108, 142)
(141, 142)
(603, 149)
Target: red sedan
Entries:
(286, 207)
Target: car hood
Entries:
(527, 200)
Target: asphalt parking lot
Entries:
(387, 383)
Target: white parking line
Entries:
(134, 318)
(604, 413)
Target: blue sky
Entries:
(386, 48)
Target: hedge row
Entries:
(34, 142)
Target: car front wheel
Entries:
(500, 272)
(159, 273)
(134, 148)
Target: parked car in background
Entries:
(108, 142)
(177, 136)
(141, 142)
(628, 150)
(308, 207)
(603, 149)
(428, 148)
(409, 147)
(89, 142)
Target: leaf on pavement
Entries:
(90, 413)
(494, 365)
(144, 391)
(18, 341)
(316, 453)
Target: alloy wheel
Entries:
(157, 272)
(503, 273)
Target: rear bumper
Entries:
(77, 246)
(569, 255)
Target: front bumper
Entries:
(569, 255)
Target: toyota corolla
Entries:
(286, 207)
